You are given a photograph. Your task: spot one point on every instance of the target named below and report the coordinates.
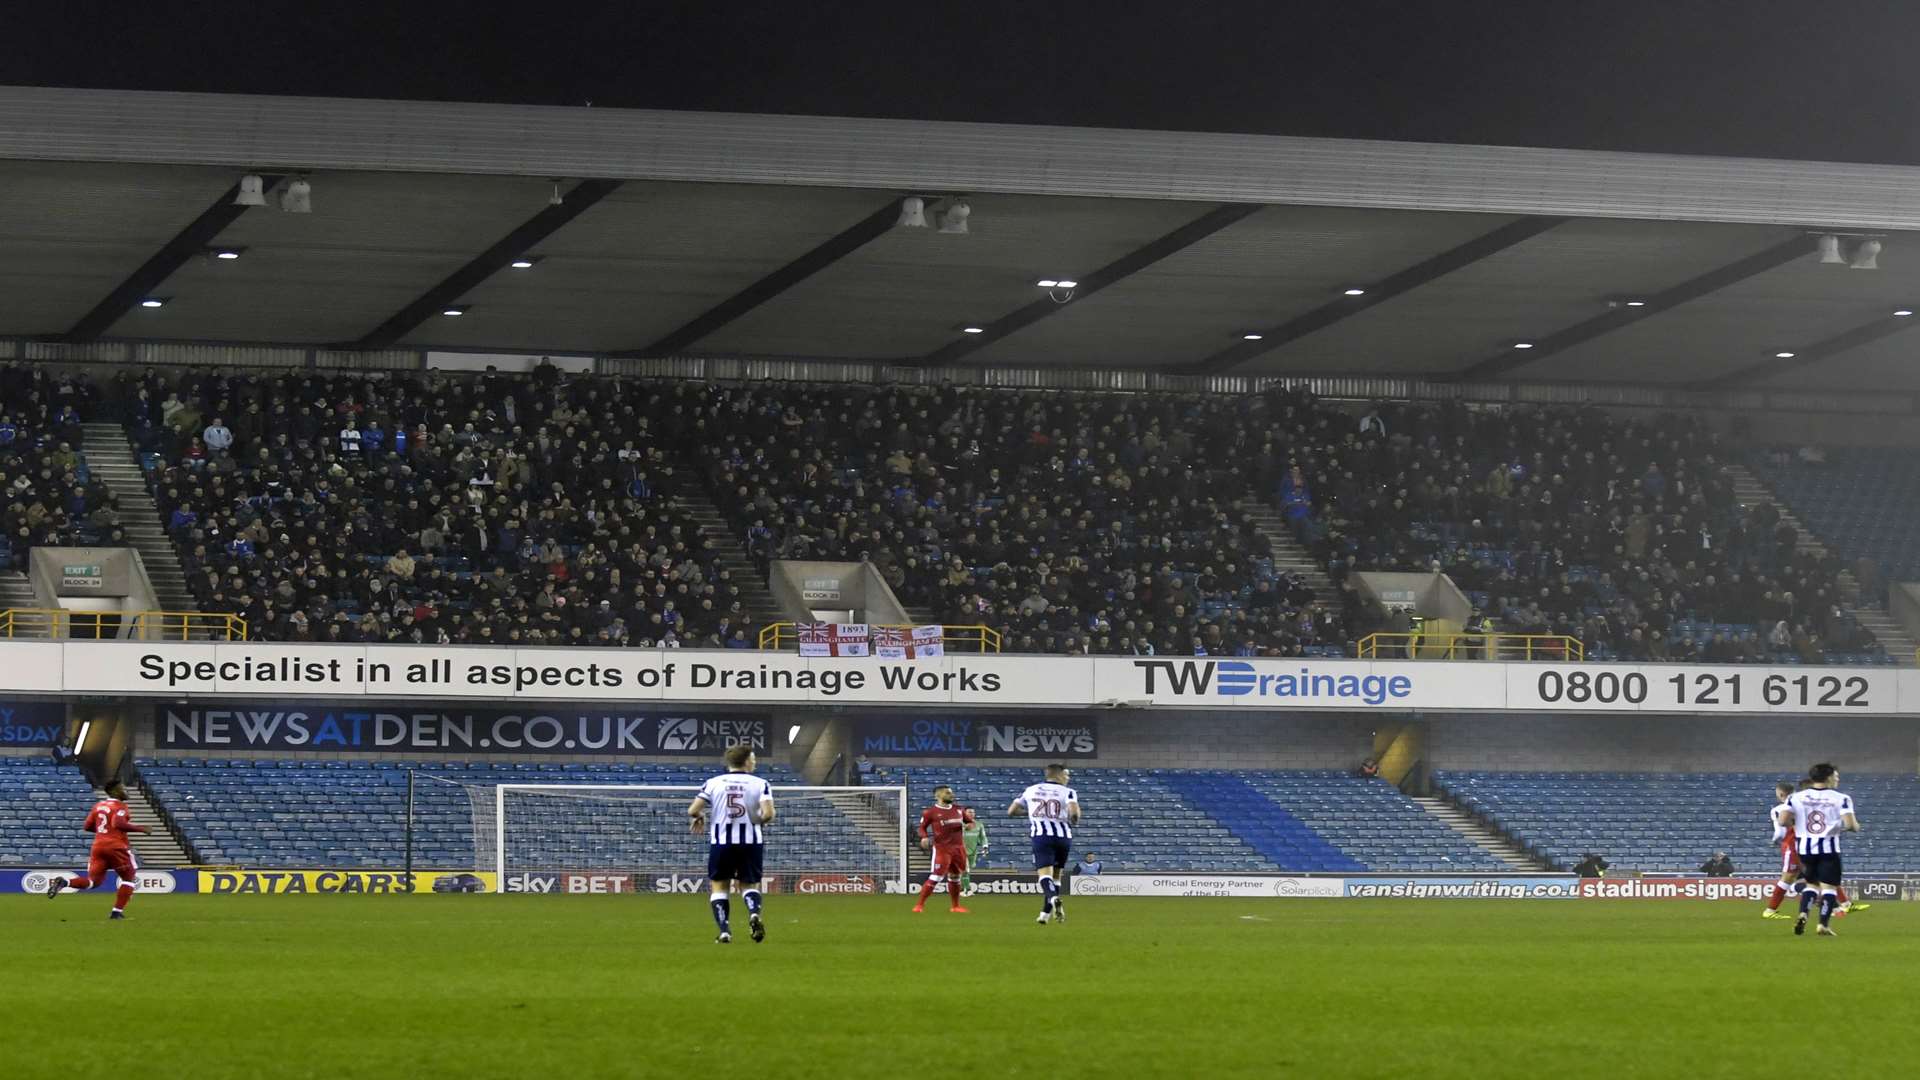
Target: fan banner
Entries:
(909, 642)
(834, 639)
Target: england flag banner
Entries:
(909, 642)
(834, 639)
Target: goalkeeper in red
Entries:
(941, 829)
(109, 822)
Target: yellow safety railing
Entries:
(984, 639)
(48, 623)
(1523, 647)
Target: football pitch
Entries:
(216, 987)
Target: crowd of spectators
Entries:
(1070, 522)
(50, 498)
(538, 509)
(1621, 532)
(429, 508)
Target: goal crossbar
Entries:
(890, 800)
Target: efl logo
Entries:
(36, 881)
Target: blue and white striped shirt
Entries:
(733, 807)
(1819, 814)
(1046, 805)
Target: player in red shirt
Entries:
(940, 828)
(109, 822)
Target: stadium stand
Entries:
(401, 506)
(42, 804)
(490, 510)
(51, 499)
(1223, 822)
(290, 813)
(1859, 499)
(1621, 532)
(1072, 523)
(1674, 821)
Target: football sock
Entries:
(1047, 890)
(1806, 901)
(124, 894)
(1842, 894)
(966, 882)
(1828, 902)
(720, 909)
(752, 897)
(80, 884)
(953, 891)
(1774, 895)
(927, 886)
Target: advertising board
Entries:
(1070, 736)
(312, 727)
(148, 881)
(32, 723)
(1674, 888)
(391, 673)
(338, 882)
(1235, 885)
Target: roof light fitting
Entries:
(252, 193)
(913, 213)
(297, 196)
(1831, 248)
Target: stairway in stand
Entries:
(1749, 490)
(1489, 840)
(876, 813)
(16, 591)
(110, 457)
(160, 848)
(1289, 555)
(755, 597)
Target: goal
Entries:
(634, 838)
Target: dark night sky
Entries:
(1804, 79)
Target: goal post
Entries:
(634, 838)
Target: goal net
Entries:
(587, 838)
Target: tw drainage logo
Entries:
(1238, 678)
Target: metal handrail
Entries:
(57, 623)
(982, 639)
(1495, 646)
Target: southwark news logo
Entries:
(1238, 678)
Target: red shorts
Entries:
(118, 860)
(949, 862)
(1789, 861)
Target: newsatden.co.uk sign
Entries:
(336, 728)
(388, 673)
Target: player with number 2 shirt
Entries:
(109, 822)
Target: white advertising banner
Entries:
(1684, 688)
(425, 672)
(31, 667)
(1205, 885)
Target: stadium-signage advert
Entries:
(329, 728)
(390, 673)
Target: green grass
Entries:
(215, 987)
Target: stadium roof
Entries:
(732, 235)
